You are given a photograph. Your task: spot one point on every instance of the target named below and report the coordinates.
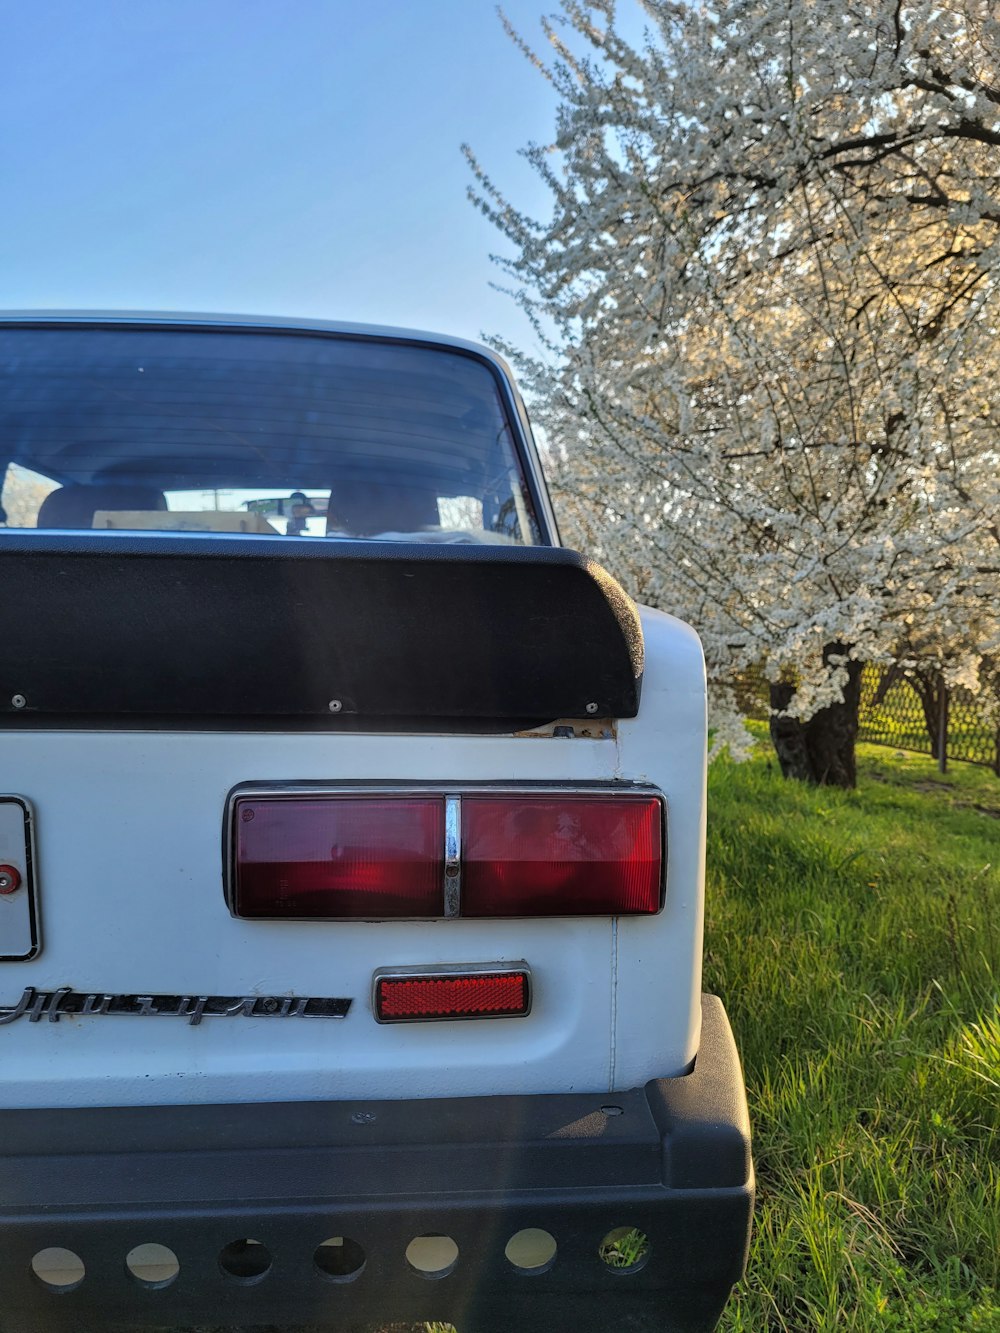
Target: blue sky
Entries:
(297, 157)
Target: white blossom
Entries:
(767, 302)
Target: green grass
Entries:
(855, 939)
(624, 1247)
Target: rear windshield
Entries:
(255, 433)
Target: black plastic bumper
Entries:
(672, 1161)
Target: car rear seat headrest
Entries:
(75, 506)
(364, 508)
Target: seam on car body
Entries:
(614, 1003)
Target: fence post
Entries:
(942, 726)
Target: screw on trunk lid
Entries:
(10, 879)
(18, 700)
(335, 705)
(592, 708)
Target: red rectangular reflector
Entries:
(562, 855)
(338, 857)
(452, 995)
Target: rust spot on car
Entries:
(563, 728)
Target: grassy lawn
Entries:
(855, 939)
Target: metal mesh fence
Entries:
(910, 711)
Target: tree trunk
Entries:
(928, 686)
(820, 751)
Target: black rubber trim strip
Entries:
(190, 630)
(291, 1175)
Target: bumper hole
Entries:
(152, 1265)
(339, 1259)
(245, 1260)
(531, 1251)
(625, 1249)
(432, 1256)
(58, 1269)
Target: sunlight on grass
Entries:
(855, 939)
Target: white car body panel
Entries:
(129, 874)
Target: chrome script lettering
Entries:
(65, 1002)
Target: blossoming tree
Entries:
(767, 298)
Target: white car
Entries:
(351, 856)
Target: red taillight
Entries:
(400, 999)
(508, 854)
(561, 855)
(357, 856)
